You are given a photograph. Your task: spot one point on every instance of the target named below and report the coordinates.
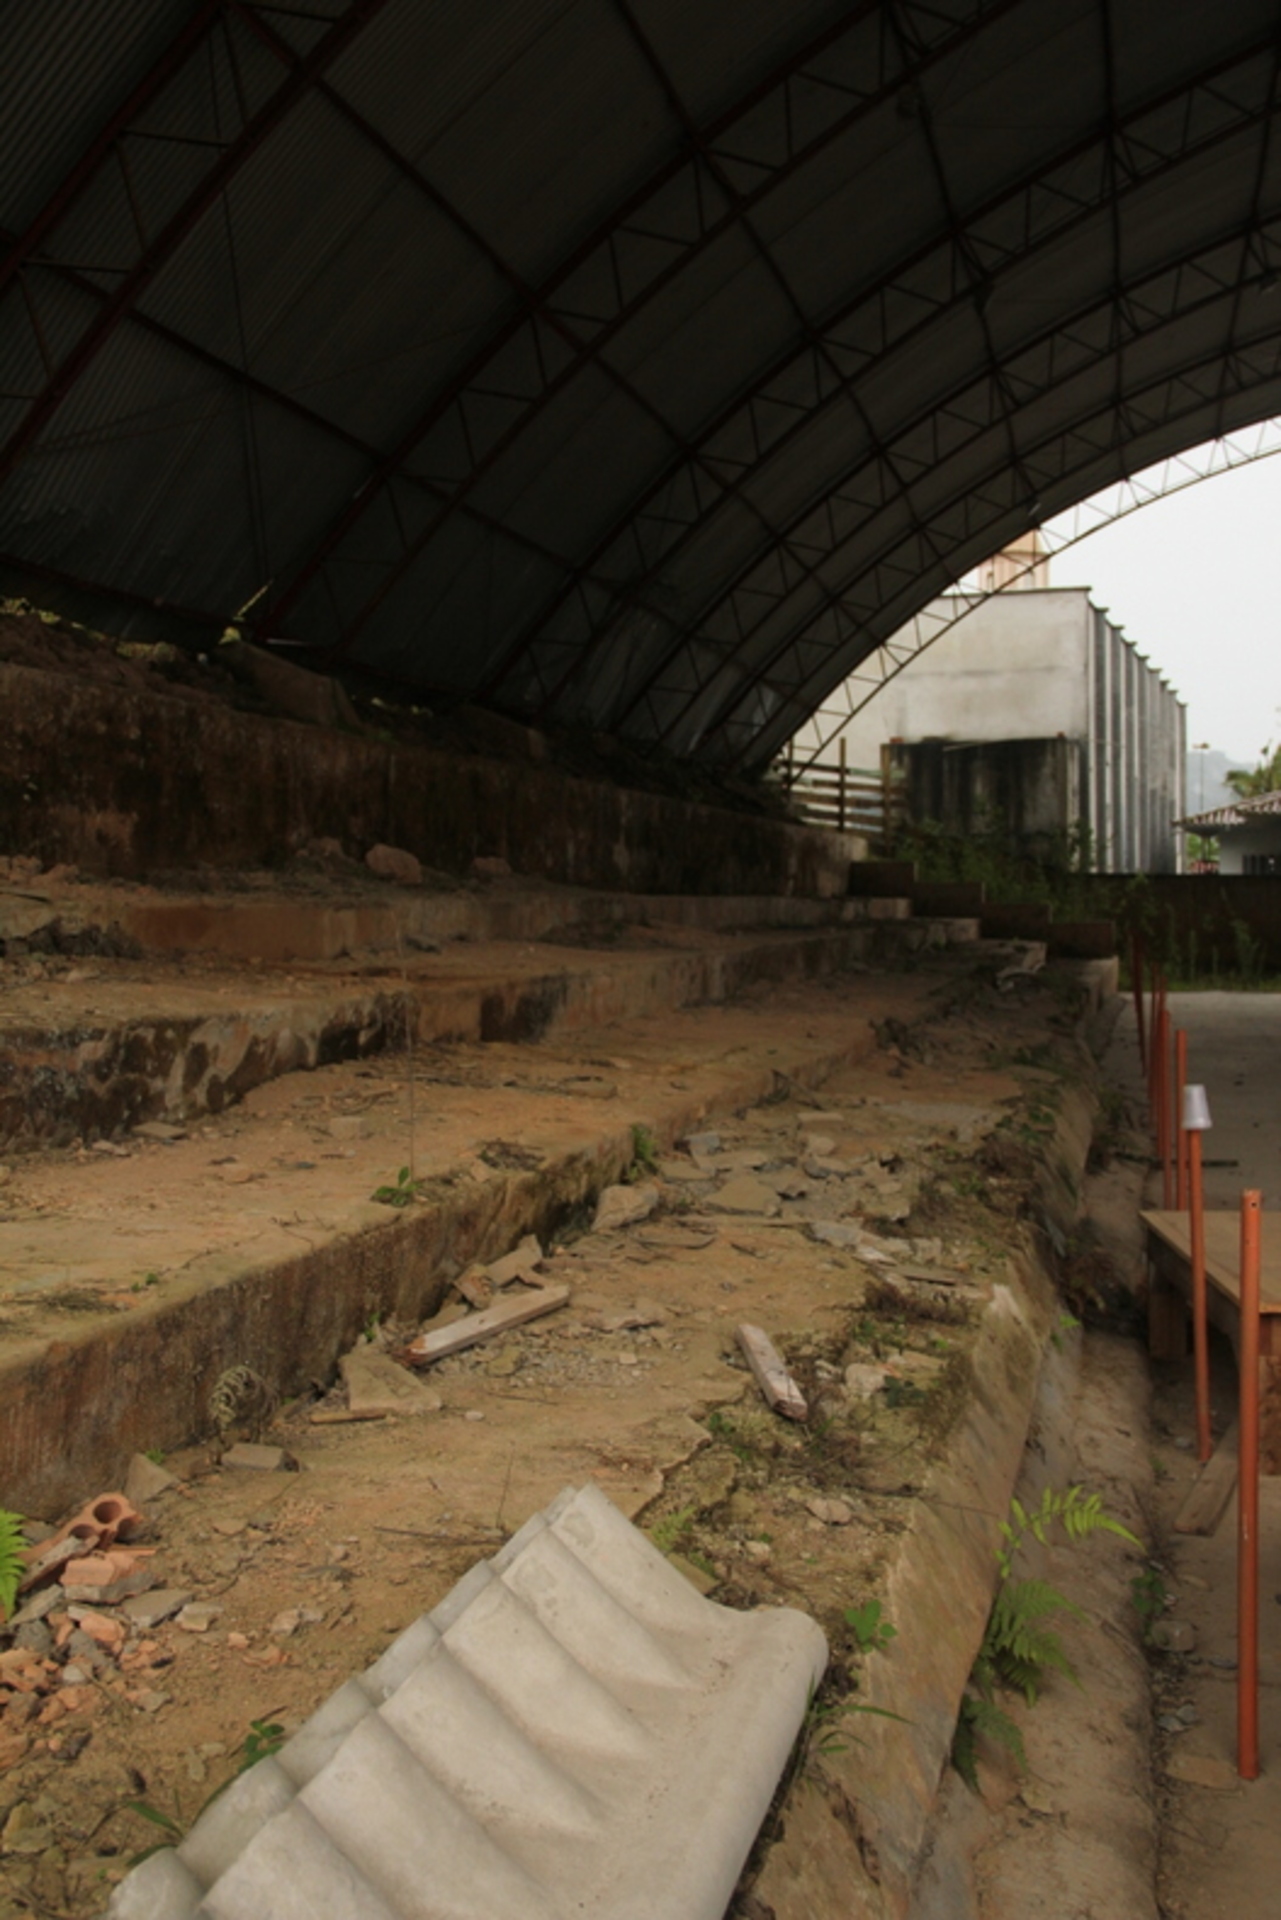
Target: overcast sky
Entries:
(1195, 581)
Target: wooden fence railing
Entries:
(834, 794)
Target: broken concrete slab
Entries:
(744, 1194)
(862, 1379)
(623, 1207)
(145, 1480)
(522, 1263)
(543, 1740)
(377, 1385)
(147, 1610)
(1203, 1770)
(836, 1233)
(249, 1456)
(476, 1288)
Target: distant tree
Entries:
(1249, 782)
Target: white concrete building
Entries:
(1037, 713)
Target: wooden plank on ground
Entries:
(474, 1327)
(775, 1382)
(1204, 1507)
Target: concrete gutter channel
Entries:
(858, 1828)
(885, 1829)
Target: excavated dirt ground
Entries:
(926, 1147)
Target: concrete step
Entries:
(332, 918)
(572, 1729)
(132, 1279)
(91, 1052)
(963, 897)
(878, 878)
(1026, 921)
(1082, 940)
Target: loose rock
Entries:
(623, 1206)
(395, 864)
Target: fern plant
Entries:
(1019, 1647)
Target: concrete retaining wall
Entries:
(125, 781)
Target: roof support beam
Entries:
(151, 259)
(1042, 210)
(604, 328)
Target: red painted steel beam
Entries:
(101, 147)
(289, 403)
(347, 26)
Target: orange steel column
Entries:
(1195, 1116)
(1180, 1132)
(1161, 1049)
(1248, 1495)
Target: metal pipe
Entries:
(1248, 1494)
(1180, 1131)
(1196, 1119)
(1162, 1099)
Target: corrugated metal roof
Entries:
(1237, 813)
(632, 361)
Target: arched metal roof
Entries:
(641, 363)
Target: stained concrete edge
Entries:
(73, 1411)
(857, 1821)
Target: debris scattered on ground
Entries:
(474, 1327)
(775, 1382)
(376, 1387)
(253, 1457)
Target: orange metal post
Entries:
(1200, 1331)
(1248, 1495)
(1161, 1049)
(1180, 1136)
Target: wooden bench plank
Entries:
(1204, 1507)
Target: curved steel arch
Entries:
(815, 679)
(1132, 403)
(821, 220)
(1193, 467)
(1072, 213)
(953, 406)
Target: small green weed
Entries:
(727, 1433)
(668, 1532)
(403, 1194)
(1067, 1323)
(872, 1633)
(264, 1738)
(644, 1153)
(1148, 1593)
(156, 1455)
(12, 1565)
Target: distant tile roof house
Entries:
(1248, 832)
